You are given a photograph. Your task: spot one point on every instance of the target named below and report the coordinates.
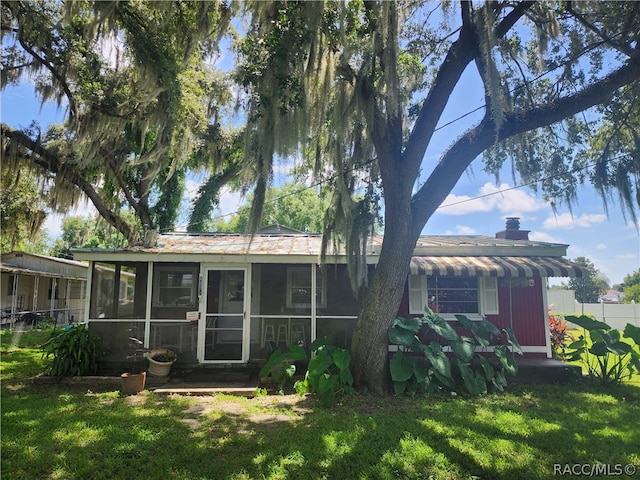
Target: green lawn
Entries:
(55, 432)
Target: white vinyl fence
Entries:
(617, 315)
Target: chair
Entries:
(282, 334)
(268, 335)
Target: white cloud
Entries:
(601, 246)
(543, 237)
(509, 201)
(568, 221)
(465, 230)
(230, 201)
(53, 223)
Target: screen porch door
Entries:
(225, 315)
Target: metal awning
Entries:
(496, 267)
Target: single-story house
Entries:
(49, 286)
(230, 298)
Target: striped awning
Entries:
(496, 267)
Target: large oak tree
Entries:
(361, 87)
(355, 89)
(141, 95)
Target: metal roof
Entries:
(281, 245)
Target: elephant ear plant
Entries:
(420, 366)
(607, 354)
(72, 352)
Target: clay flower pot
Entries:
(133, 383)
(160, 361)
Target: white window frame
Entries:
(160, 269)
(487, 297)
(291, 271)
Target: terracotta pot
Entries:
(132, 382)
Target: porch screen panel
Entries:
(340, 298)
(181, 337)
(175, 290)
(119, 290)
(120, 339)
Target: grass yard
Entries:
(55, 432)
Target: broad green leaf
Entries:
(439, 361)
(342, 358)
(346, 377)
(633, 332)
(487, 367)
(413, 324)
(318, 343)
(401, 366)
(586, 322)
(506, 359)
(473, 384)
(464, 322)
(511, 338)
(489, 327)
(635, 360)
(619, 348)
(420, 371)
(441, 327)
(399, 387)
(464, 348)
(599, 349)
(578, 344)
(296, 353)
(400, 336)
(499, 381)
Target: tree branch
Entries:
(49, 162)
(460, 155)
(607, 39)
(461, 53)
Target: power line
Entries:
(526, 83)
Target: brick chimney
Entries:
(512, 230)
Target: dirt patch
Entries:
(259, 410)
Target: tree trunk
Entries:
(380, 303)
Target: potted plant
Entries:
(160, 361)
(133, 381)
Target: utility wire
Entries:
(572, 59)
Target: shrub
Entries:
(432, 370)
(560, 337)
(280, 365)
(73, 351)
(607, 355)
(329, 373)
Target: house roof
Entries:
(22, 263)
(292, 247)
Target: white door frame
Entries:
(205, 268)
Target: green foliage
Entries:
(22, 209)
(418, 366)
(89, 232)
(280, 365)
(607, 354)
(329, 372)
(632, 279)
(588, 288)
(632, 293)
(292, 204)
(72, 352)
(560, 336)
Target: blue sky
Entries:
(610, 242)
